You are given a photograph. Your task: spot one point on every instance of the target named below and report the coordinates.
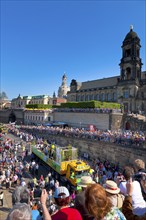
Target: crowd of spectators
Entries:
(107, 193)
(88, 110)
(120, 137)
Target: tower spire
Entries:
(131, 27)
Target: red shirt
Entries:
(67, 214)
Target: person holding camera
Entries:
(140, 176)
(138, 202)
(127, 205)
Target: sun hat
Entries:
(85, 181)
(111, 187)
(61, 189)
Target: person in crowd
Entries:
(113, 193)
(7, 182)
(35, 206)
(79, 202)
(2, 198)
(20, 194)
(43, 199)
(127, 208)
(140, 173)
(99, 205)
(20, 211)
(138, 202)
(62, 199)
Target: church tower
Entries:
(130, 81)
(63, 89)
(131, 64)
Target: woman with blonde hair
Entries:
(99, 205)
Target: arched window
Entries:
(128, 73)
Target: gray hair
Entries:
(20, 211)
(20, 194)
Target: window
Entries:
(108, 97)
(114, 96)
(126, 94)
(97, 97)
(82, 98)
(86, 98)
(102, 97)
(128, 53)
(92, 97)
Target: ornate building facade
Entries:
(22, 101)
(129, 88)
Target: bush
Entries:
(38, 106)
(90, 104)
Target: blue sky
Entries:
(40, 40)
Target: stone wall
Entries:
(102, 121)
(6, 114)
(115, 153)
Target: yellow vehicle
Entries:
(64, 161)
(3, 129)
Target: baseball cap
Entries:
(61, 189)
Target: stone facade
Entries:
(128, 88)
(22, 101)
(37, 116)
(12, 115)
(103, 121)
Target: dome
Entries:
(131, 35)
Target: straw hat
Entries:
(85, 181)
(111, 187)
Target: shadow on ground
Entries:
(4, 209)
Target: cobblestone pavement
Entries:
(7, 204)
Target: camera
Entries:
(139, 176)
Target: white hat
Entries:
(60, 190)
(111, 187)
(85, 181)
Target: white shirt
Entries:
(138, 202)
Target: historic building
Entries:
(22, 101)
(37, 117)
(63, 89)
(128, 88)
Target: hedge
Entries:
(90, 104)
(38, 106)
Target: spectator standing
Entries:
(80, 198)
(62, 199)
(99, 205)
(138, 202)
(113, 193)
(1, 197)
(127, 205)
